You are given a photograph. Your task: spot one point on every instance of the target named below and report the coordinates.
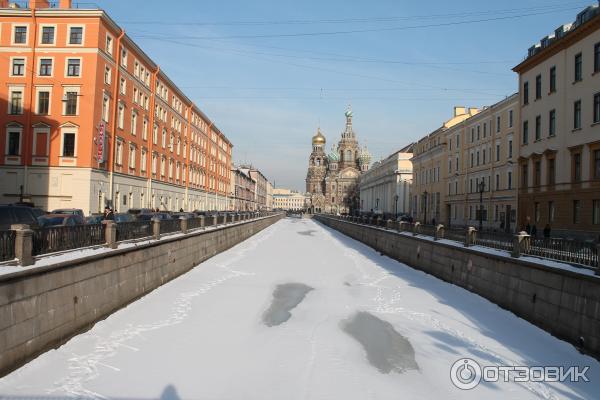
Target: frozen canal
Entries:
(300, 312)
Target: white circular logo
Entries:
(465, 374)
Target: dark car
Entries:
(137, 211)
(60, 220)
(10, 215)
(124, 217)
(69, 211)
(94, 219)
(183, 214)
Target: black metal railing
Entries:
(7, 245)
(496, 240)
(60, 238)
(220, 219)
(134, 230)
(170, 225)
(459, 235)
(569, 250)
(194, 223)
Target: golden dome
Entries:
(318, 139)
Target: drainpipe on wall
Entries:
(113, 119)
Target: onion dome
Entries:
(318, 139)
(364, 157)
(334, 155)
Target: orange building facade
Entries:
(91, 121)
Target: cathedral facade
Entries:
(332, 179)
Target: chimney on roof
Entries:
(65, 4)
(35, 4)
(459, 111)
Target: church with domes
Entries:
(332, 179)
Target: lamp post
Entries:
(425, 201)
(481, 189)
(396, 205)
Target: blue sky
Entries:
(270, 72)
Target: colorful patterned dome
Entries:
(334, 155)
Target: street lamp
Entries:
(396, 205)
(481, 190)
(425, 200)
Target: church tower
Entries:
(317, 165)
(348, 145)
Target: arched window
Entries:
(348, 155)
(318, 162)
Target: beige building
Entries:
(429, 171)
(385, 187)
(286, 199)
(480, 168)
(269, 196)
(559, 164)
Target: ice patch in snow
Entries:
(387, 350)
(285, 298)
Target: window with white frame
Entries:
(119, 152)
(145, 129)
(107, 75)
(132, 156)
(155, 134)
(13, 142)
(18, 67)
(109, 44)
(134, 122)
(105, 108)
(16, 101)
(71, 101)
(20, 34)
(154, 163)
(75, 35)
(43, 102)
(68, 144)
(123, 86)
(45, 67)
(143, 156)
(74, 67)
(121, 116)
(47, 36)
(164, 138)
(124, 57)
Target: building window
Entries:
(43, 105)
(576, 211)
(552, 123)
(109, 44)
(497, 152)
(121, 116)
(143, 157)
(123, 86)
(524, 175)
(46, 67)
(509, 180)
(596, 164)
(18, 67)
(550, 211)
(20, 35)
(16, 102)
(48, 35)
(538, 127)
(132, 157)
(551, 171)
(578, 67)
(552, 79)
(526, 93)
(497, 182)
(119, 152)
(525, 132)
(538, 87)
(577, 115)
(76, 35)
(133, 123)
(71, 103)
(536, 212)
(596, 212)
(597, 108)
(510, 147)
(124, 57)
(577, 167)
(73, 67)
(68, 148)
(105, 108)
(107, 74)
(537, 173)
(14, 143)
(155, 135)
(510, 119)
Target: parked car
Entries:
(10, 214)
(94, 219)
(69, 211)
(124, 217)
(60, 220)
(137, 211)
(183, 214)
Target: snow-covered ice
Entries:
(362, 326)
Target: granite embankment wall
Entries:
(41, 308)
(564, 303)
